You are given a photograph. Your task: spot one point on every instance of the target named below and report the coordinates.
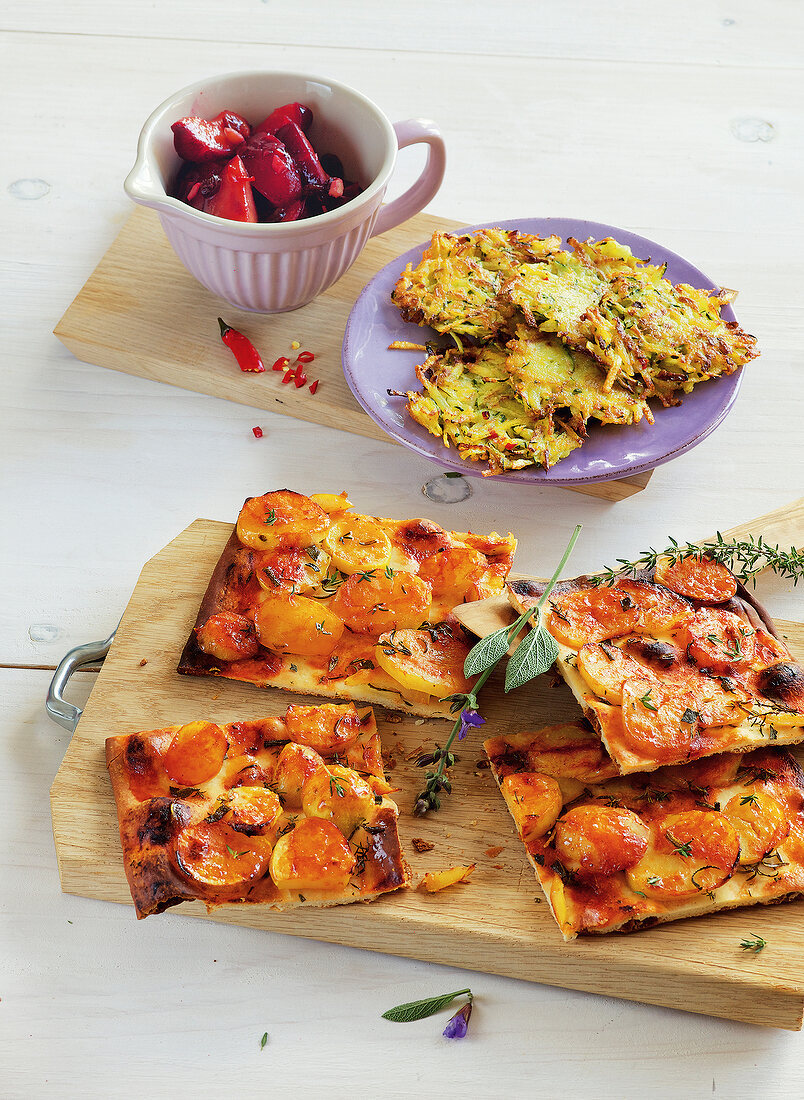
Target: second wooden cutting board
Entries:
(497, 923)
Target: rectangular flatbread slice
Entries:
(672, 665)
(283, 812)
(621, 853)
(312, 597)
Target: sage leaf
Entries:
(534, 655)
(418, 1010)
(487, 652)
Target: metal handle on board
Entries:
(57, 707)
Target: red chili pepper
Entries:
(305, 357)
(247, 356)
(314, 386)
(281, 363)
(257, 433)
(288, 377)
(300, 380)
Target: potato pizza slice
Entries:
(313, 597)
(282, 812)
(672, 665)
(616, 853)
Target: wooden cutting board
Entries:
(142, 313)
(498, 923)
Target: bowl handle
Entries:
(417, 196)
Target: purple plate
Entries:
(609, 452)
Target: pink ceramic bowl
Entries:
(272, 268)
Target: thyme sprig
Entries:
(745, 557)
(753, 943)
(534, 655)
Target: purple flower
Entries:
(469, 719)
(459, 1024)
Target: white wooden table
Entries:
(682, 122)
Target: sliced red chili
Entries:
(257, 433)
(300, 380)
(247, 356)
(289, 377)
(281, 363)
(305, 357)
(314, 386)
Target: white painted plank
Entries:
(700, 31)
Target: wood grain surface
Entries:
(163, 328)
(498, 923)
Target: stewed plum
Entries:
(267, 173)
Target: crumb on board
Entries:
(434, 881)
(394, 719)
(421, 845)
(482, 764)
(419, 721)
(144, 661)
(494, 850)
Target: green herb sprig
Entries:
(534, 655)
(753, 943)
(418, 1010)
(745, 557)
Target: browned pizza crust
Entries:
(624, 853)
(157, 813)
(737, 705)
(352, 671)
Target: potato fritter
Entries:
(564, 337)
(469, 403)
(456, 287)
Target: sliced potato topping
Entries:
(535, 801)
(294, 766)
(584, 615)
(217, 856)
(332, 503)
(196, 753)
(760, 821)
(599, 840)
(313, 856)
(659, 610)
(327, 727)
(296, 624)
(422, 660)
(658, 721)
(228, 636)
(699, 578)
(453, 571)
(689, 853)
(339, 795)
(357, 544)
(253, 811)
(296, 570)
(718, 640)
(606, 668)
(280, 520)
(716, 703)
(373, 603)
